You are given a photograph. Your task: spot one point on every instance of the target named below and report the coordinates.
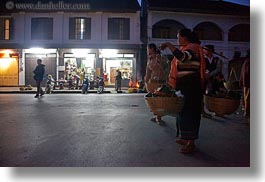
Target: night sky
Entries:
(244, 2)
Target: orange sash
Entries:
(173, 73)
(196, 48)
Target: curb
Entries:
(65, 92)
(54, 92)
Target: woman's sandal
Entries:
(188, 149)
(181, 141)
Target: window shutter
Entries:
(118, 28)
(11, 29)
(2, 28)
(87, 28)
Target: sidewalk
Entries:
(15, 90)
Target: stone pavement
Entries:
(110, 130)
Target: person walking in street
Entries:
(156, 74)
(187, 74)
(38, 77)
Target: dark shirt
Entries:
(118, 76)
(101, 83)
(39, 72)
(214, 68)
(86, 81)
(211, 66)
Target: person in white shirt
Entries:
(213, 68)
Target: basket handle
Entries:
(231, 72)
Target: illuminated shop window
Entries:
(79, 63)
(6, 28)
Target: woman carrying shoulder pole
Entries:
(187, 74)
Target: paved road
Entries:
(109, 130)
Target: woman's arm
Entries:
(181, 56)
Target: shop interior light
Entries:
(36, 50)
(91, 55)
(128, 55)
(5, 53)
(6, 59)
(109, 53)
(5, 63)
(80, 52)
(39, 50)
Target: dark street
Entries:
(109, 130)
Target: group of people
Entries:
(74, 76)
(187, 74)
(194, 71)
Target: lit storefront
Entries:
(29, 59)
(96, 37)
(9, 68)
(112, 61)
(97, 63)
(76, 61)
(65, 63)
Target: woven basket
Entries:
(165, 105)
(151, 87)
(221, 106)
(232, 85)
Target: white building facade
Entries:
(99, 37)
(222, 24)
(191, 20)
(103, 36)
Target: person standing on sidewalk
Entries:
(187, 74)
(118, 79)
(38, 76)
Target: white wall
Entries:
(99, 29)
(21, 73)
(134, 28)
(190, 20)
